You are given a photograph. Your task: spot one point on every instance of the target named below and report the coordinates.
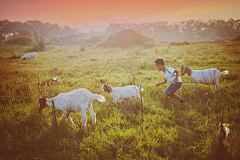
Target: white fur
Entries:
(29, 56)
(77, 100)
(127, 92)
(207, 76)
(62, 43)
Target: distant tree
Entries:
(40, 41)
(1, 36)
(25, 32)
(20, 40)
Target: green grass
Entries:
(127, 130)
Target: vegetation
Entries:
(12, 51)
(10, 29)
(128, 130)
(20, 40)
(179, 43)
(70, 39)
(191, 30)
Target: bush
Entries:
(179, 43)
(20, 40)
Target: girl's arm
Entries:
(163, 82)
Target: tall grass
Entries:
(127, 130)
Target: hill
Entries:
(127, 38)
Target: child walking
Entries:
(171, 76)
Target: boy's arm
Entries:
(177, 74)
(160, 83)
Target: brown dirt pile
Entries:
(127, 38)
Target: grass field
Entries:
(128, 130)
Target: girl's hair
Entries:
(159, 61)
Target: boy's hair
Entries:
(159, 61)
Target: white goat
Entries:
(127, 92)
(207, 76)
(62, 43)
(77, 100)
(29, 56)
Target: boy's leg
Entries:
(165, 98)
(176, 96)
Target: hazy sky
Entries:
(77, 13)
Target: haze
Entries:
(82, 13)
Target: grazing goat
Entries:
(29, 56)
(62, 43)
(127, 92)
(207, 76)
(77, 100)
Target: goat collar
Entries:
(189, 71)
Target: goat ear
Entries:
(109, 88)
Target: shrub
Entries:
(174, 43)
(20, 40)
(179, 43)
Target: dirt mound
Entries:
(127, 38)
(95, 40)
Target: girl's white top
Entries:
(169, 76)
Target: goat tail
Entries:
(225, 72)
(100, 98)
(138, 88)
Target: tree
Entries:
(40, 41)
(25, 32)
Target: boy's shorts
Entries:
(172, 88)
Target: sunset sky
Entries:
(79, 13)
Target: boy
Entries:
(171, 76)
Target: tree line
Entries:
(10, 29)
(193, 30)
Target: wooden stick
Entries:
(190, 82)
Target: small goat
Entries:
(127, 92)
(223, 132)
(222, 149)
(29, 56)
(207, 76)
(77, 100)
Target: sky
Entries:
(100, 13)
